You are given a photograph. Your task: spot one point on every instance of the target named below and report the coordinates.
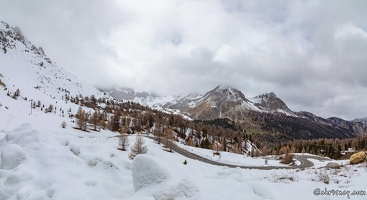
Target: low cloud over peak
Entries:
(312, 54)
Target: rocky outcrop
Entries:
(332, 165)
(220, 102)
(271, 103)
(358, 157)
(264, 113)
(350, 128)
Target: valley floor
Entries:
(41, 160)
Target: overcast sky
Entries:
(311, 54)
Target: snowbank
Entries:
(146, 171)
(40, 161)
(12, 155)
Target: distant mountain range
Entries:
(144, 98)
(265, 113)
(220, 102)
(27, 68)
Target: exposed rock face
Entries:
(332, 165)
(271, 103)
(350, 128)
(357, 157)
(23, 62)
(221, 102)
(228, 102)
(9, 37)
(264, 113)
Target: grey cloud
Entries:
(312, 54)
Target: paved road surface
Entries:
(302, 158)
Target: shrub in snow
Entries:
(288, 158)
(321, 176)
(63, 124)
(123, 142)
(284, 177)
(138, 148)
(145, 171)
(11, 156)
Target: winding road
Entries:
(302, 158)
(305, 163)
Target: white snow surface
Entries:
(35, 75)
(55, 163)
(40, 160)
(146, 171)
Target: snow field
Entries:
(54, 163)
(40, 160)
(44, 161)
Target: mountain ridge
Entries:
(218, 100)
(41, 78)
(27, 69)
(265, 113)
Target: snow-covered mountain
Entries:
(129, 94)
(41, 160)
(271, 103)
(227, 102)
(26, 68)
(220, 102)
(217, 103)
(363, 120)
(264, 112)
(144, 98)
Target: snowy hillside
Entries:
(27, 68)
(44, 161)
(41, 160)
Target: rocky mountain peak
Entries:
(267, 96)
(26, 67)
(223, 87)
(270, 102)
(11, 36)
(226, 93)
